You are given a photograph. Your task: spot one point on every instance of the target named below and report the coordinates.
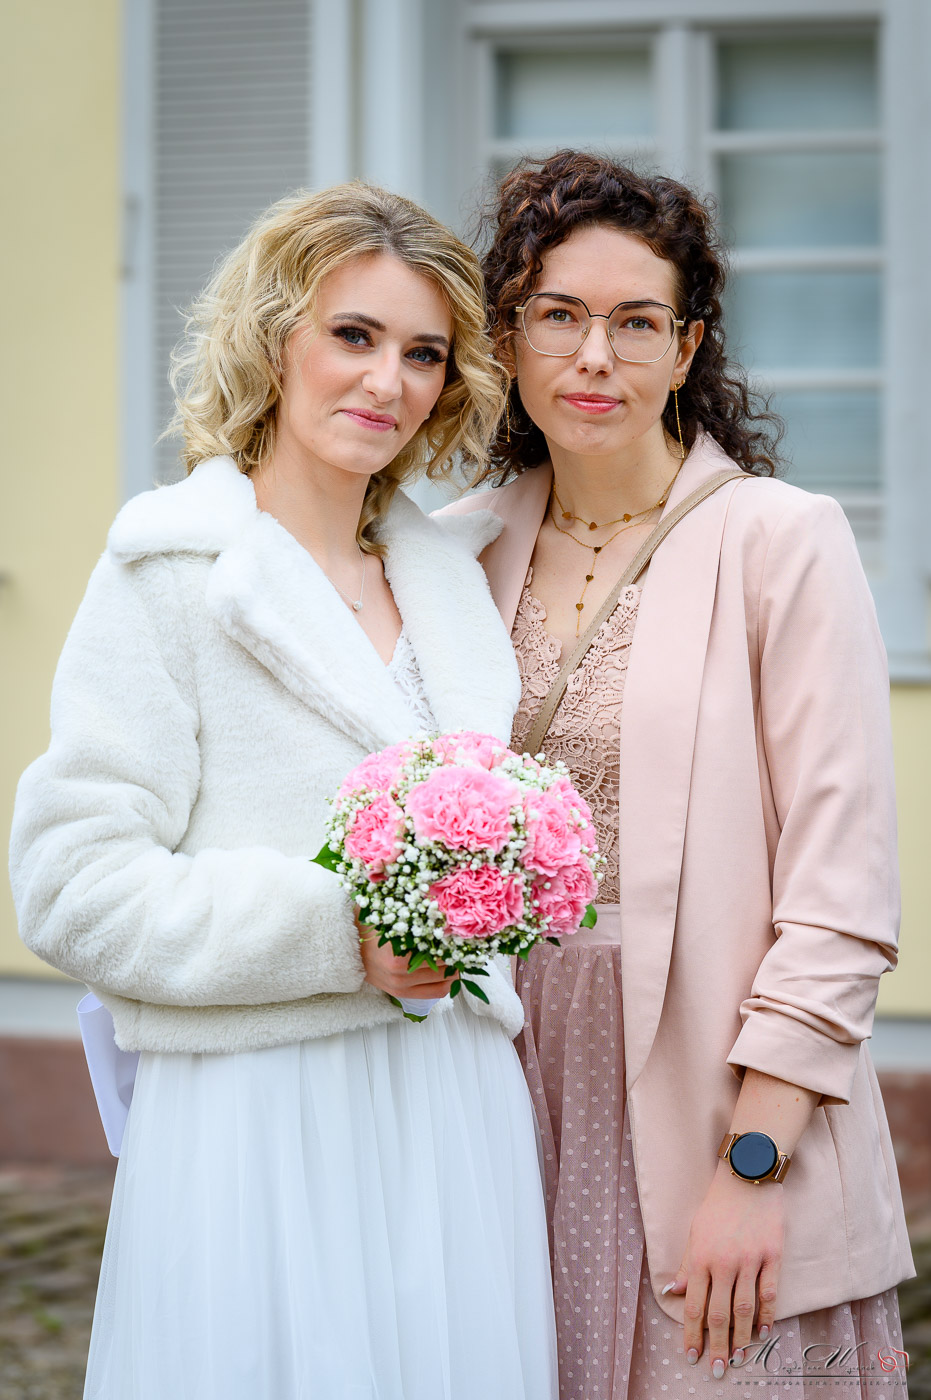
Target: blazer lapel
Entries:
(268, 593)
(464, 653)
(522, 506)
(658, 723)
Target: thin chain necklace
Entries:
(354, 603)
(626, 518)
(596, 550)
(630, 522)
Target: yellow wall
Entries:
(907, 992)
(59, 249)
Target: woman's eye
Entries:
(639, 323)
(426, 355)
(559, 316)
(352, 335)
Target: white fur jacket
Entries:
(212, 693)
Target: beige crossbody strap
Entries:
(630, 575)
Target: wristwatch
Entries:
(754, 1157)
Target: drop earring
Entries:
(675, 399)
(507, 418)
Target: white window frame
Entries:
(900, 578)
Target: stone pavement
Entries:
(52, 1222)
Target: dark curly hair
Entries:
(538, 204)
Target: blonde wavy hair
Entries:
(227, 372)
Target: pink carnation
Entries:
(379, 772)
(484, 750)
(463, 809)
(569, 894)
(553, 838)
(573, 798)
(480, 902)
(375, 835)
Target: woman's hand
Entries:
(391, 974)
(731, 1267)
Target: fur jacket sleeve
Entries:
(105, 889)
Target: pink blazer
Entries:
(759, 896)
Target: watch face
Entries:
(753, 1156)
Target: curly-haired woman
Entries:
(715, 1145)
(314, 1197)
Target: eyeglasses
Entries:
(640, 332)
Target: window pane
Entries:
(801, 200)
(576, 95)
(797, 84)
(805, 320)
(832, 439)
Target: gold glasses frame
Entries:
(598, 316)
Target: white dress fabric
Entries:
(353, 1217)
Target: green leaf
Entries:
(475, 989)
(419, 960)
(327, 858)
(591, 917)
(456, 988)
(555, 941)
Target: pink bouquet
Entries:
(455, 849)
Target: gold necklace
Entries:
(596, 550)
(630, 521)
(627, 517)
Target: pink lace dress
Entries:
(615, 1342)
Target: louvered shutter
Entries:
(231, 134)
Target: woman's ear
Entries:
(687, 347)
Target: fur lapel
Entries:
(465, 655)
(268, 594)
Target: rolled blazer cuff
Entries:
(785, 1048)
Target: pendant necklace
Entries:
(630, 521)
(354, 603)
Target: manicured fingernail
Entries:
(737, 1358)
(691, 1356)
(669, 1287)
(717, 1370)
(764, 1333)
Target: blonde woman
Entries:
(315, 1196)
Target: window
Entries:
(783, 129)
(795, 161)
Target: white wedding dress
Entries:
(357, 1217)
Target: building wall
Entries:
(59, 247)
(908, 991)
(59, 368)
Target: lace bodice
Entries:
(585, 732)
(405, 672)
